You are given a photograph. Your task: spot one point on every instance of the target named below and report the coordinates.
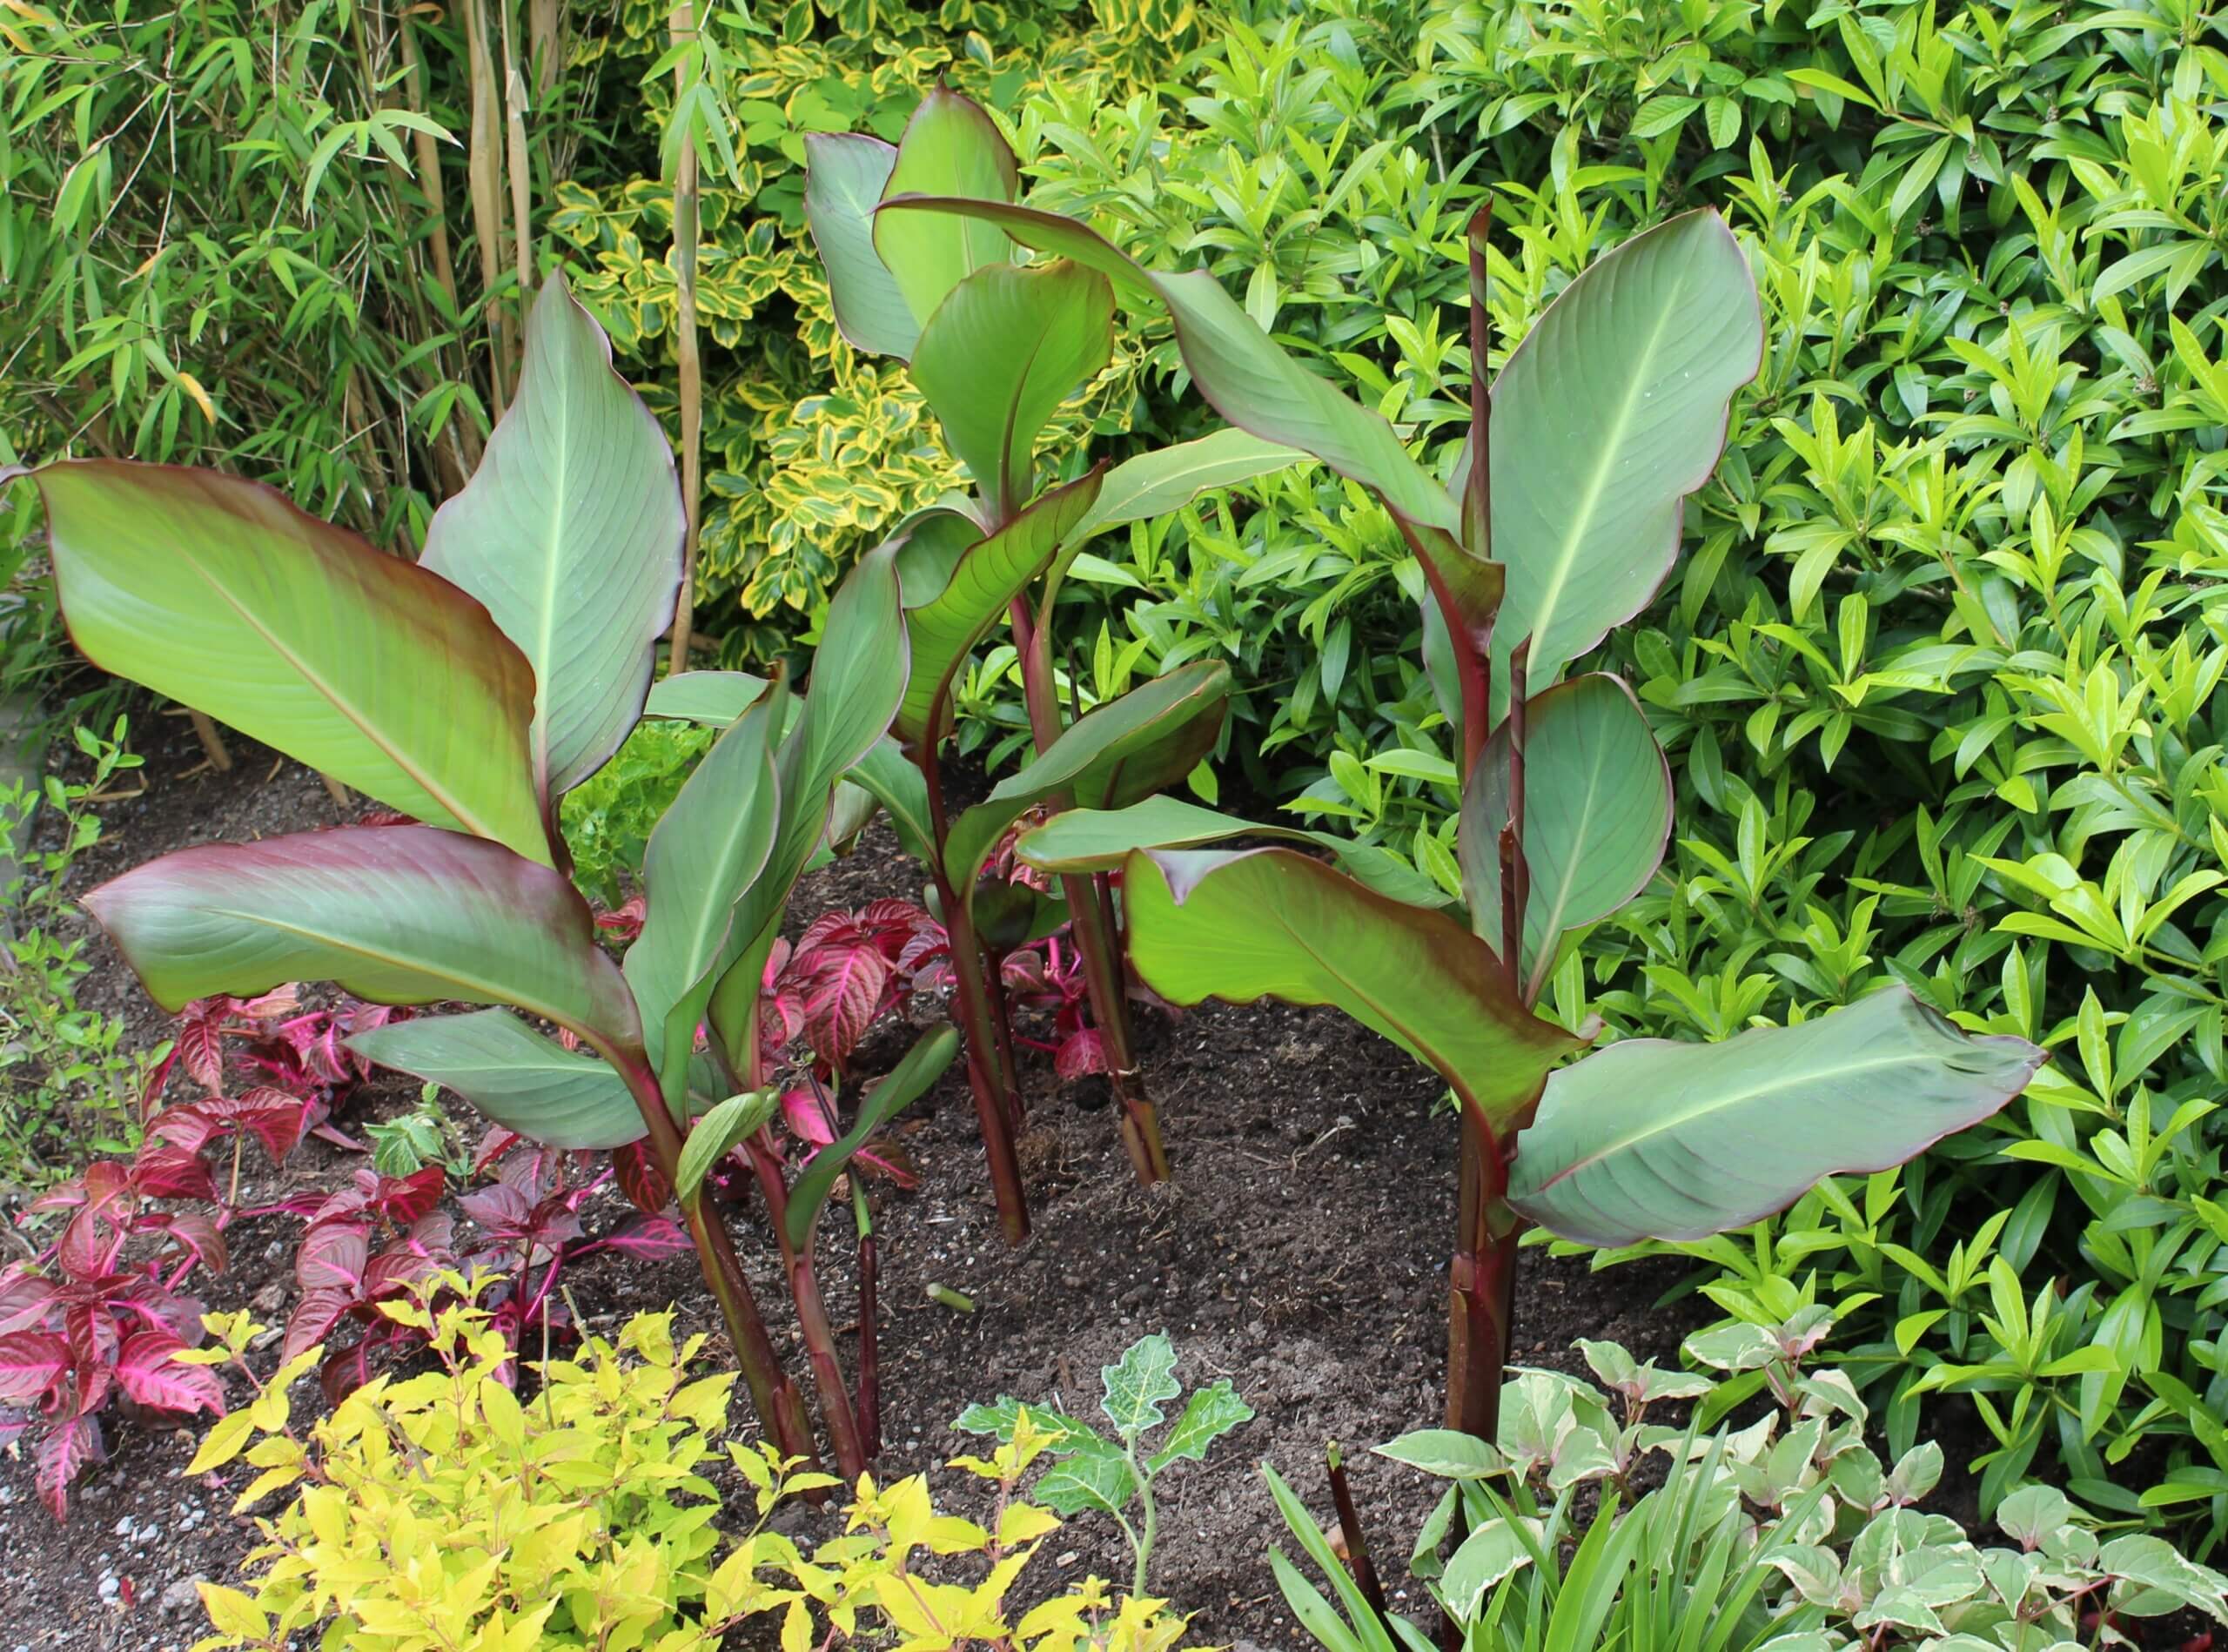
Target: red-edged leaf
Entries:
(89, 1244)
(69, 1448)
(406, 1199)
(147, 1369)
(649, 1239)
(640, 1179)
(276, 1116)
(189, 1126)
(173, 1172)
(498, 1207)
(497, 1142)
(27, 1299)
(332, 1257)
(32, 1362)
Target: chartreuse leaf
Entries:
(1001, 1419)
(844, 176)
(1597, 813)
(705, 850)
(950, 146)
(944, 629)
(1651, 1140)
(1251, 381)
(570, 532)
(1123, 750)
(859, 673)
(1210, 1413)
(395, 914)
(714, 1136)
(1611, 411)
(1269, 922)
(513, 1074)
(1093, 840)
(1003, 349)
(1137, 1382)
(905, 1083)
(218, 593)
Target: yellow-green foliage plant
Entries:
(442, 1512)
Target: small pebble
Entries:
(183, 1596)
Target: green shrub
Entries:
(1786, 1535)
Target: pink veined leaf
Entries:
(173, 1172)
(333, 1256)
(801, 1112)
(148, 1371)
(829, 928)
(777, 959)
(93, 1338)
(647, 1238)
(32, 1362)
(200, 1042)
(14, 1425)
(27, 1300)
(189, 1126)
(1080, 1053)
(899, 1174)
(314, 1316)
(346, 1369)
(842, 1000)
(498, 1207)
(159, 1309)
(640, 1178)
(625, 921)
(360, 1017)
(70, 1446)
(497, 1142)
(276, 1116)
(404, 1198)
(89, 1244)
(1023, 972)
(195, 1232)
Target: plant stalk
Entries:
(482, 166)
(775, 1397)
(993, 1104)
(843, 1433)
(1357, 1561)
(869, 1405)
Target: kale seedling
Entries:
(1091, 1471)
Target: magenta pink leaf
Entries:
(332, 1257)
(194, 1231)
(69, 1448)
(147, 1369)
(1080, 1053)
(315, 1315)
(647, 1238)
(32, 1362)
(640, 1178)
(173, 1172)
(807, 1119)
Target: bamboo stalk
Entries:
(462, 440)
(517, 163)
(686, 227)
(482, 166)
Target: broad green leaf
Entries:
(1003, 349)
(930, 543)
(889, 775)
(714, 1136)
(1155, 483)
(1271, 922)
(844, 177)
(1446, 1452)
(1610, 412)
(1115, 754)
(1252, 382)
(1651, 1140)
(221, 595)
(1210, 1413)
(1034, 228)
(949, 147)
(395, 914)
(1001, 1419)
(1597, 813)
(1137, 1382)
(519, 1079)
(702, 856)
(570, 532)
(906, 1083)
(944, 630)
(1101, 1480)
(714, 699)
(859, 674)
(1489, 1555)
(1093, 840)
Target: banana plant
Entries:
(995, 347)
(1611, 409)
(468, 690)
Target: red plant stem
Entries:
(1469, 659)
(772, 1393)
(1357, 1559)
(1515, 875)
(1008, 1062)
(812, 1314)
(971, 1001)
(869, 1344)
(1104, 975)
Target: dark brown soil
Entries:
(1299, 1251)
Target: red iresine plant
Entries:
(85, 1322)
(844, 973)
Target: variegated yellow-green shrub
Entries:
(441, 1513)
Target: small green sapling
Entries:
(1091, 1471)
